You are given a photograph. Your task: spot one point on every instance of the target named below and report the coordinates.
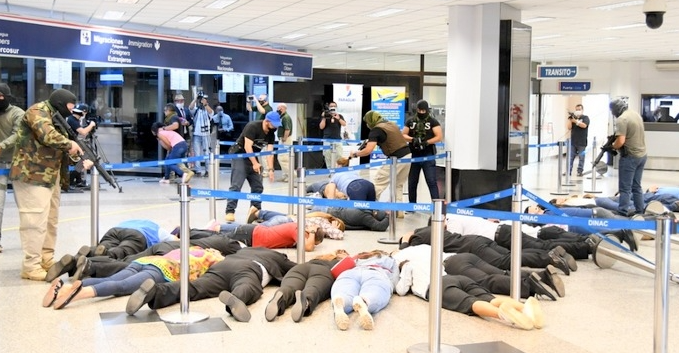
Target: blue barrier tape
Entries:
(483, 199)
(544, 145)
(349, 168)
(314, 201)
(4, 171)
(309, 139)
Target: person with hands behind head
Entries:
(39, 164)
(254, 135)
(202, 120)
(578, 124)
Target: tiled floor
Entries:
(604, 310)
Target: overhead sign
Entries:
(554, 71)
(23, 37)
(575, 86)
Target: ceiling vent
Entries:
(667, 65)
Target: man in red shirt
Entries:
(276, 237)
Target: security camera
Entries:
(350, 45)
(654, 11)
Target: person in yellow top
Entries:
(163, 268)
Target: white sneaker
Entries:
(164, 181)
(533, 310)
(364, 317)
(341, 318)
(513, 317)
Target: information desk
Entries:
(110, 137)
(662, 142)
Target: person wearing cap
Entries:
(39, 165)
(422, 133)
(284, 138)
(263, 108)
(630, 142)
(10, 117)
(76, 121)
(388, 136)
(251, 140)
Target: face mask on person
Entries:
(578, 112)
(280, 112)
(4, 103)
(421, 115)
(180, 105)
(262, 102)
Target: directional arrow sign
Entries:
(554, 71)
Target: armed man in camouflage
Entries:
(39, 164)
(422, 133)
(10, 116)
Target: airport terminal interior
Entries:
(604, 310)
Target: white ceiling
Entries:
(577, 32)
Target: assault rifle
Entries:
(88, 151)
(598, 165)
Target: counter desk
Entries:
(662, 146)
(111, 137)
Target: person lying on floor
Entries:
(350, 183)
(80, 266)
(623, 235)
(610, 204)
(490, 251)
(461, 293)
(273, 237)
(365, 289)
(304, 287)
(153, 268)
(501, 232)
(332, 226)
(238, 281)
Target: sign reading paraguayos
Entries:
(24, 37)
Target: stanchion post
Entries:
(184, 316)
(449, 177)
(94, 208)
(392, 213)
(435, 284)
(515, 267)
(593, 174)
(560, 171)
(301, 216)
(291, 173)
(333, 160)
(300, 164)
(213, 181)
(569, 150)
(661, 295)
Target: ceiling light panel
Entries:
(220, 4)
(386, 12)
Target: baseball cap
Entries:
(274, 118)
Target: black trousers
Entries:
(486, 275)
(243, 278)
(459, 293)
(574, 245)
(313, 280)
(121, 242)
(492, 252)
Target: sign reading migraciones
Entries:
(25, 37)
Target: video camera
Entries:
(252, 98)
(328, 112)
(571, 115)
(199, 99)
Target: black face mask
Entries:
(4, 104)
(421, 115)
(280, 112)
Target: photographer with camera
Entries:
(331, 124)
(263, 108)
(578, 124)
(422, 133)
(630, 142)
(202, 117)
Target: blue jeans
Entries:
(371, 285)
(201, 146)
(126, 281)
(578, 151)
(177, 151)
(241, 170)
(361, 189)
(630, 170)
(429, 169)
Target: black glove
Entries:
(419, 143)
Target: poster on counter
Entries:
(390, 102)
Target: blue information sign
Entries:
(554, 71)
(21, 37)
(575, 86)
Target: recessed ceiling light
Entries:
(618, 5)
(440, 51)
(386, 12)
(220, 4)
(294, 35)
(537, 19)
(191, 19)
(113, 15)
(541, 46)
(366, 48)
(594, 40)
(547, 37)
(406, 41)
(633, 25)
(334, 25)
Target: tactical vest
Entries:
(395, 139)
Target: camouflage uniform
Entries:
(40, 160)
(9, 124)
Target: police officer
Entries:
(422, 133)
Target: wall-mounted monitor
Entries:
(291, 92)
(111, 77)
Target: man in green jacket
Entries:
(10, 116)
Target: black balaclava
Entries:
(422, 105)
(59, 99)
(5, 91)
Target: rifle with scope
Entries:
(88, 151)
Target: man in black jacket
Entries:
(238, 280)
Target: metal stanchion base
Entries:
(567, 184)
(559, 193)
(186, 318)
(593, 191)
(598, 177)
(387, 241)
(424, 348)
